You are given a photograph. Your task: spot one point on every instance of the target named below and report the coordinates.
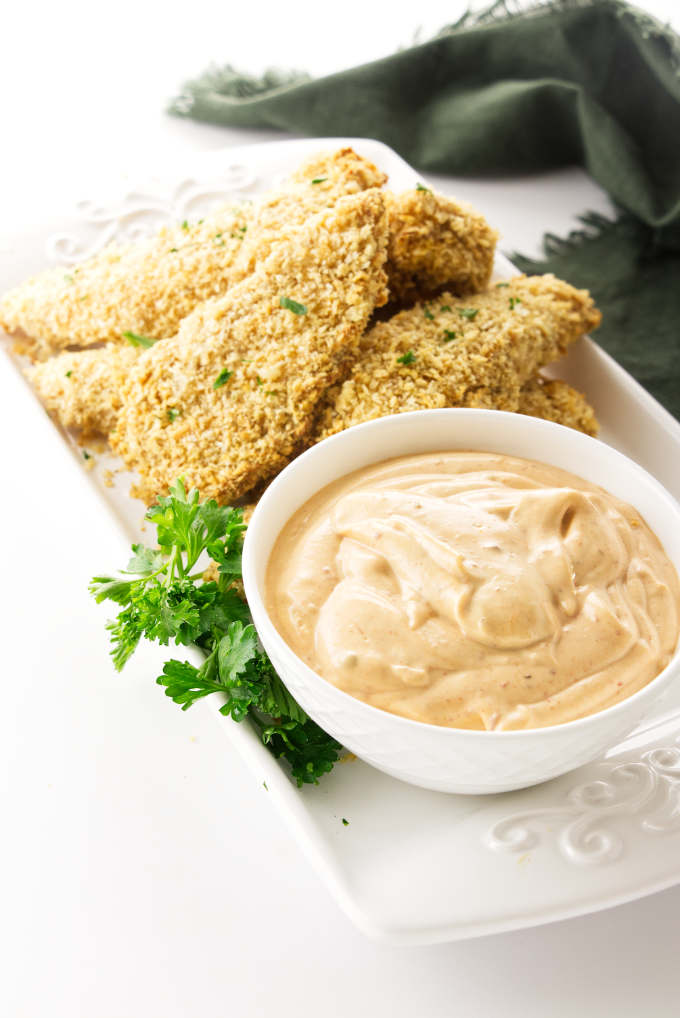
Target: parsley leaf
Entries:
(513, 302)
(136, 340)
(172, 413)
(185, 224)
(309, 750)
(223, 377)
(406, 358)
(235, 650)
(319, 180)
(428, 314)
(421, 187)
(499, 285)
(144, 561)
(445, 307)
(449, 335)
(468, 313)
(68, 374)
(164, 597)
(292, 305)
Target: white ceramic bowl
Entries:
(450, 759)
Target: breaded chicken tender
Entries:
(447, 244)
(82, 389)
(146, 287)
(436, 244)
(550, 399)
(316, 185)
(476, 351)
(554, 400)
(150, 286)
(228, 400)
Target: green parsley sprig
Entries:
(134, 339)
(292, 305)
(407, 358)
(222, 379)
(164, 597)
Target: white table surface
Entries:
(143, 873)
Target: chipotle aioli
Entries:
(475, 590)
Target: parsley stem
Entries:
(191, 561)
(171, 566)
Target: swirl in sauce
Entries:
(475, 591)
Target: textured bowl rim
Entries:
(254, 597)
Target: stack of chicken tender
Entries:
(267, 327)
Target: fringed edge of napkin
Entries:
(236, 86)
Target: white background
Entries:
(143, 874)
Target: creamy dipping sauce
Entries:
(475, 590)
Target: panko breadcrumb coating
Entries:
(432, 241)
(353, 172)
(150, 286)
(550, 399)
(436, 244)
(82, 389)
(229, 399)
(474, 351)
(554, 400)
(145, 288)
(477, 351)
(316, 185)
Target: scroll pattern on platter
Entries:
(140, 214)
(644, 793)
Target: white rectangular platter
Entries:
(413, 866)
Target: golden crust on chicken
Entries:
(82, 389)
(550, 399)
(263, 311)
(476, 351)
(148, 287)
(145, 288)
(316, 185)
(555, 400)
(447, 244)
(228, 400)
(436, 243)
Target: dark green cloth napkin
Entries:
(589, 82)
